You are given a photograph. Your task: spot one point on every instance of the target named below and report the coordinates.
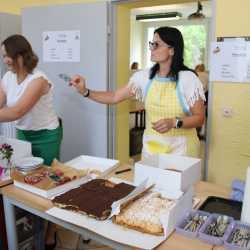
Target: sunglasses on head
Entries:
(156, 45)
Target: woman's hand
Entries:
(163, 125)
(79, 83)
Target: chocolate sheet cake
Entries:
(93, 198)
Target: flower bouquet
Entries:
(6, 152)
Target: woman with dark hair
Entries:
(26, 97)
(173, 96)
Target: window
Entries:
(195, 37)
(195, 40)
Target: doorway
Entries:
(141, 33)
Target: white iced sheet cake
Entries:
(144, 213)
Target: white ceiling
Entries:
(185, 9)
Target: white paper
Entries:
(61, 46)
(144, 186)
(230, 61)
(123, 235)
(108, 229)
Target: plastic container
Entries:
(214, 240)
(184, 221)
(228, 238)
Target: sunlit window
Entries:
(195, 39)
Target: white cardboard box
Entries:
(124, 235)
(104, 165)
(157, 168)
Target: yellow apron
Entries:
(163, 99)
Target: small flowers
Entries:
(6, 152)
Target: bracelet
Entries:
(86, 93)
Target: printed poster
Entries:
(61, 46)
(230, 61)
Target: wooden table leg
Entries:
(3, 238)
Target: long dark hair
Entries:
(17, 45)
(173, 38)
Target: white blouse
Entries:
(189, 84)
(42, 115)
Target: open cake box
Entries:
(168, 171)
(126, 236)
(99, 166)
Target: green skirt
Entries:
(45, 143)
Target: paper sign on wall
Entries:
(61, 46)
(230, 61)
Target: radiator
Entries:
(8, 129)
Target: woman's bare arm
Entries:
(105, 97)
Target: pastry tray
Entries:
(223, 206)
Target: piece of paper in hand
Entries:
(64, 77)
(143, 187)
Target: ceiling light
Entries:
(198, 15)
(158, 16)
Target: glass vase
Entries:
(5, 168)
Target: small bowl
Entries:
(28, 163)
